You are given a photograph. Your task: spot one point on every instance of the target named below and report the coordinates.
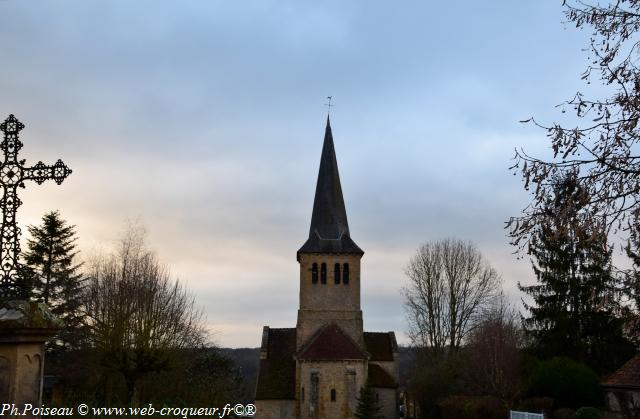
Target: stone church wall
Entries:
(329, 296)
(275, 409)
(321, 304)
(345, 377)
(623, 402)
(387, 398)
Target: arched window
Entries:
(336, 273)
(333, 394)
(323, 273)
(345, 273)
(314, 273)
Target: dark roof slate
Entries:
(277, 373)
(627, 376)
(380, 378)
(380, 345)
(329, 230)
(331, 343)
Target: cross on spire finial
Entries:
(13, 173)
(328, 104)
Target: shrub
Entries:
(564, 413)
(588, 413)
(570, 383)
(469, 407)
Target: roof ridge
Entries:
(312, 341)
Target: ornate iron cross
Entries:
(13, 173)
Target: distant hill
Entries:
(246, 360)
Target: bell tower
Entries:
(329, 259)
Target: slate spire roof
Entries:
(329, 231)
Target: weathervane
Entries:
(329, 105)
(13, 173)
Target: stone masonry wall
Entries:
(345, 377)
(322, 304)
(275, 409)
(387, 398)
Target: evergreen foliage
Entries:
(55, 276)
(368, 405)
(574, 300)
(569, 383)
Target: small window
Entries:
(315, 388)
(333, 394)
(302, 393)
(377, 397)
(336, 273)
(314, 273)
(345, 273)
(323, 273)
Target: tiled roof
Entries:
(380, 345)
(627, 376)
(277, 374)
(331, 343)
(380, 378)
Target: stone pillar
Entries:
(24, 328)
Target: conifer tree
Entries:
(368, 406)
(573, 313)
(56, 277)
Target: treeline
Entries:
(132, 334)
(581, 319)
(479, 357)
(476, 356)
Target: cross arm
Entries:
(41, 172)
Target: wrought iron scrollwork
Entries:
(13, 174)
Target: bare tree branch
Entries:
(449, 285)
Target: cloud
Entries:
(205, 121)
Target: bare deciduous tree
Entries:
(493, 363)
(138, 315)
(450, 283)
(603, 149)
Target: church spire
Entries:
(329, 231)
(329, 218)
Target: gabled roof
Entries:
(331, 343)
(380, 378)
(627, 376)
(380, 345)
(277, 373)
(329, 230)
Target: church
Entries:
(316, 370)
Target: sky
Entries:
(203, 121)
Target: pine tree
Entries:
(57, 281)
(368, 405)
(574, 306)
